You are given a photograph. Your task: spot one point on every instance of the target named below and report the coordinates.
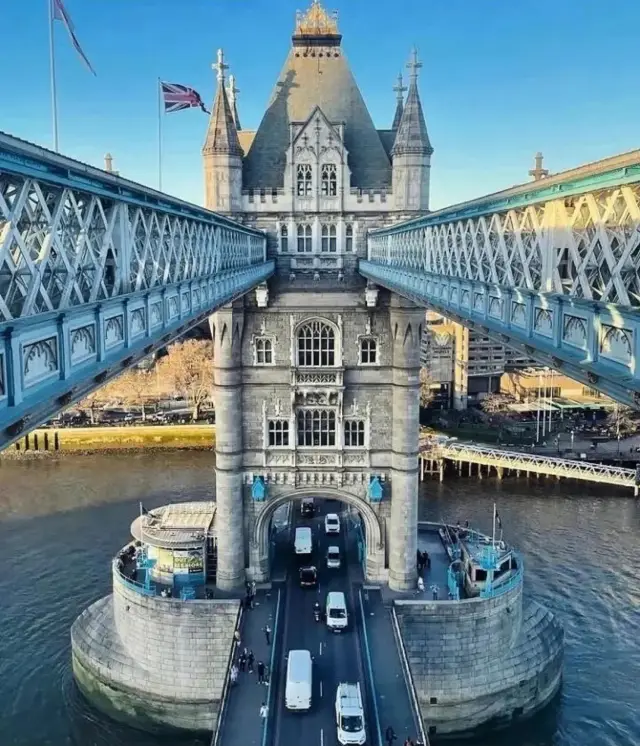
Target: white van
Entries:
(350, 715)
(336, 611)
(304, 541)
(297, 694)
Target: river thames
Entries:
(62, 521)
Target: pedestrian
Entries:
(264, 711)
(253, 588)
(242, 662)
(434, 591)
(250, 659)
(234, 674)
(261, 673)
(236, 637)
(390, 735)
(267, 634)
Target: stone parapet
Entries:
(162, 659)
(480, 661)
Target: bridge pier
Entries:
(499, 471)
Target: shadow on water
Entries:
(61, 523)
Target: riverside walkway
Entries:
(433, 457)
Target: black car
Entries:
(307, 508)
(308, 577)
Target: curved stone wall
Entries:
(480, 661)
(158, 661)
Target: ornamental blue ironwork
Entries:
(259, 489)
(376, 490)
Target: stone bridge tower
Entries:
(317, 374)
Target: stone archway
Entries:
(373, 524)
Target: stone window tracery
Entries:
(284, 239)
(316, 427)
(329, 180)
(278, 433)
(354, 434)
(316, 345)
(304, 175)
(329, 239)
(263, 351)
(305, 239)
(348, 237)
(368, 351)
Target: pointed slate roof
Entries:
(222, 135)
(412, 134)
(316, 73)
(400, 91)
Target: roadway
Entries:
(337, 656)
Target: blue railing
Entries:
(453, 584)
(146, 589)
(498, 589)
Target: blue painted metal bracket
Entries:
(595, 343)
(49, 361)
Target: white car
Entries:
(333, 557)
(331, 523)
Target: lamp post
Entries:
(538, 409)
(572, 440)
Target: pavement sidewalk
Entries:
(392, 696)
(243, 724)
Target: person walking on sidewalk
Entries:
(264, 711)
(234, 674)
(242, 660)
(236, 637)
(250, 659)
(390, 736)
(261, 673)
(267, 634)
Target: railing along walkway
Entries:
(529, 462)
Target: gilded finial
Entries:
(316, 21)
(220, 66)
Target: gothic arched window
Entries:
(329, 241)
(348, 237)
(284, 239)
(305, 242)
(329, 180)
(303, 180)
(316, 345)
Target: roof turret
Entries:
(400, 91)
(222, 133)
(232, 95)
(412, 134)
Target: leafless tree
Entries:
(426, 394)
(188, 368)
(134, 388)
(495, 403)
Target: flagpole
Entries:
(159, 136)
(52, 72)
(493, 535)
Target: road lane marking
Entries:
(321, 737)
(321, 689)
(320, 648)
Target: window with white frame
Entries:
(263, 350)
(329, 239)
(278, 433)
(284, 239)
(329, 180)
(305, 239)
(348, 237)
(368, 351)
(316, 427)
(304, 179)
(316, 345)
(354, 433)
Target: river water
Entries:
(62, 521)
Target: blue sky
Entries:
(501, 79)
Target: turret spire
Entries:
(538, 172)
(232, 93)
(222, 134)
(412, 134)
(400, 90)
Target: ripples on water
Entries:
(61, 522)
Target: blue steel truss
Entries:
(551, 268)
(97, 272)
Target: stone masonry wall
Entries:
(164, 658)
(480, 661)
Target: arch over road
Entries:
(374, 530)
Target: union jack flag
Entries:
(59, 13)
(177, 97)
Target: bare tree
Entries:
(426, 394)
(98, 398)
(188, 368)
(495, 403)
(622, 420)
(134, 387)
